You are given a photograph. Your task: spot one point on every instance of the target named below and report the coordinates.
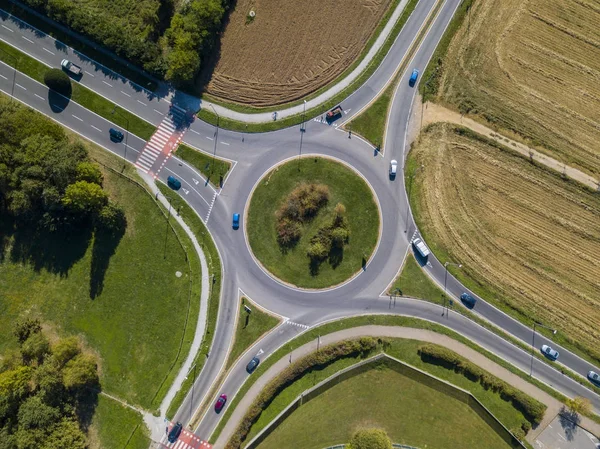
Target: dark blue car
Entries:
(413, 78)
(175, 432)
(236, 221)
(174, 183)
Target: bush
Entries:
(304, 202)
(370, 439)
(111, 219)
(58, 81)
(288, 232)
(532, 409)
(317, 251)
(314, 361)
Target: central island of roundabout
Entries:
(313, 222)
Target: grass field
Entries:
(371, 123)
(283, 54)
(413, 282)
(537, 256)
(118, 427)
(250, 327)
(129, 323)
(214, 169)
(531, 67)
(408, 411)
(346, 187)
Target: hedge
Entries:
(532, 409)
(316, 360)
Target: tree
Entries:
(58, 81)
(65, 350)
(49, 382)
(35, 414)
(89, 172)
(80, 372)
(35, 348)
(183, 66)
(84, 198)
(579, 405)
(339, 237)
(370, 439)
(317, 251)
(66, 434)
(111, 219)
(24, 329)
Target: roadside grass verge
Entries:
(235, 125)
(82, 95)
(371, 123)
(116, 426)
(250, 327)
(214, 169)
(387, 398)
(292, 264)
(214, 271)
(414, 283)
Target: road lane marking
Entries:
(45, 49)
(110, 85)
(4, 77)
(7, 28)
(16, 84)
(28, 40)
(209, 138)
(158, 112)
(124, 93)
(224, 143)
(141, 102)
(55, 106)
(195, 132)
(91, 74)
(80, 119)
(97, 129)
(39, 96)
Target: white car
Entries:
(549, 352)
(594, 377)
(393, 168)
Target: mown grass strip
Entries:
(214, 268)
(214, 169)
(235, 125)
(82, 95)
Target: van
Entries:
(421, 247)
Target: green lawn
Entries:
(214, 169)
(345, 187)
(82, 95)
(250, 327)
(136, 320)
(370, 124)
(408, 411)
(415, 283)
(115, 426)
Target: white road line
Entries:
(45, 49)
(110, 85)
(7, 28)
(20, 86)
(81, 120)
(28, 40)
(158, 112)
(39, 96)
(141, 102)
(4, 77)
(209, 138)
(195, 132)
(60, 108)
(124, 93)
(97, 129)
(91, 74)
(224, 143)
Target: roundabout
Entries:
(312, 222)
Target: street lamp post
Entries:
(535, 323)
(216, 137)
(410, 181)
(445, 279)
(12, 92)
(193, 384)
(126, 132)
(167, 230)
(302, 129)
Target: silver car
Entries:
(594, 377)
(393, 168)
(549, 352)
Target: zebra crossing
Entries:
(186, 440)
(163, 142)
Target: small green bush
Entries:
(532, 409)
(58, 81)
(370, 439)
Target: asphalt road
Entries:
(255, 154)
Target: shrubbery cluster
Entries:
(316, 360)
(532, 409)
(47, 392)
(300, 206)
(370, 439)
(330, 237)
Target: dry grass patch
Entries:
(532, 67)
(291, 48)
(528, 240)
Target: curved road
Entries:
(255, 154)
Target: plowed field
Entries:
(291, 48)
(527, 239)
(533, 67)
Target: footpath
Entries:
(433, 113)
(553, 404)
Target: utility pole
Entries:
(216, 136)
(126, 134)
(12, 92)
(410, 181)
(445, 279)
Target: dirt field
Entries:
(291, 48)
(527, 239)
(533, 67)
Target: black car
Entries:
(468, 300)
(252, 364)
(115, 135)
(174, 433)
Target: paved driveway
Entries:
(564, 434)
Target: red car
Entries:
(220, 403)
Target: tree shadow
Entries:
(57, 101)
(335, 257)
(85, 405)
(569, 421)
(105, 245)
(314, 265)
